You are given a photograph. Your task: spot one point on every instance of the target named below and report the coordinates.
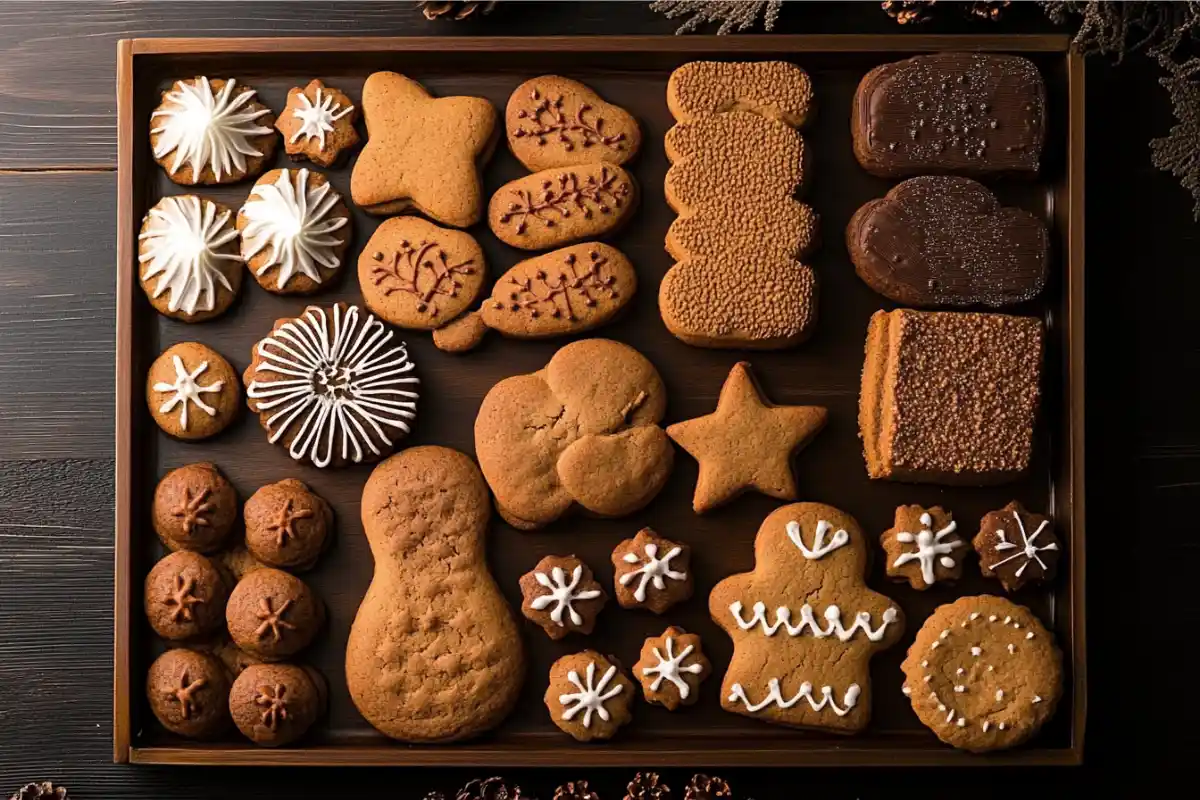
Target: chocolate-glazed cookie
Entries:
(1017, 546)
(189, 693)
(185, 596)
(194, 508)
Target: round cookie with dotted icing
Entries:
(561, 595)
(923, 547)
(318, 123)
(192, 391)
(651, 572)
(983, 673)
(589, 696)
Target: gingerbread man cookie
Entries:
(651, 572)
(562, 596)
(923, 547)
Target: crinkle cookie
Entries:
(184, 596)
(189, 693)
(195, 508)
(318, 124)
(275, 704)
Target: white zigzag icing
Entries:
(775, 697)
(833, 618)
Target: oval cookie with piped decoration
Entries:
(558, 206)
(553, 121)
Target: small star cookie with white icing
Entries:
(192, 391)
(651, 572)
(923, 547)
(318, 124)
(561, 595)
(671, 668)
(589, 696)
(211, 132)
(295, 230)
(1017, 546)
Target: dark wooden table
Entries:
(57, 256)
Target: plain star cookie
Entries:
(589, 696)
(671, 668)
(651, 572)
(804, 624)
(192, 391)
(747, 443)
(1017, 547)
(422, 152)
(318, 124)
(561, 595)
(923, 547)
(983, 673)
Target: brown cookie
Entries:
(923, 547)
(747, 443)
(462, 335)
(194, 508)
(949, 397)
(422, 153)
(295, 230)
(333, 386)
(184, 597)
(945, 241)
(651, 572)
(211, 131)
(589, 696)
(273, 615)
(188, 255)
(416, 275)
(777, 90)
(1017, 546)
(318, 123)
(806, 666)
(969, 113)
(583, 430)
(275, 704)
(671, 668)
(983, 673)
(559, 206)
(192, 391)
(434, 653)
(189, 693)
(287, 525)
(553, 121)
(561, 595)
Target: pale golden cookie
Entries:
(553, 121)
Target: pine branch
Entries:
(734, 15)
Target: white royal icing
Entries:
(290, 217)
(929, 547)
(775, 697)
(186, 389)
(207, 130)
(1027, 548)
(671, 668)
(316, 119)
(181, 242)
(833, 618)
(562, 594)
(591, 696)
(340, 383)
(820, 548)
(654, 570)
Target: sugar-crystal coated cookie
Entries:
(589, 696)
(776, 90)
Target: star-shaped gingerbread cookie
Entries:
(747, 443)
(422, 152)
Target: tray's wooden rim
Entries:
(1072, 436)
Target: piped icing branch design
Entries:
(557, 296)
(290, 221)
(208, 129)
(187, 389)
(182, 243)
(776, 698)
(316, 119)
(820, 547)
(832, 615)
(423, 270)
(592, 694)
(1027, 549)
(563, 196)
(546, 119)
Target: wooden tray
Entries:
(630, 71)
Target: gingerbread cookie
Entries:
(184, 597)
(806, 666)
(273, 615)
(776, 90)
(416, 275)
(461, 335)
(194, 508)
(939, 240)
(983, 673)
(967, 113)
(434, 653)
(923, 547)
(561, 595)
(287, 525)
(422, 153)
(275, 704)
(327, 385)
(1016, 547)
(318, 124)
(295, 229)
(211, 132)
(747, 443)
(588, 696)
(949, 397)
(671, 668)
(558, 206)
(651, 572)
(189, 693)
(581, 431)
(192, 391)
(553, 121)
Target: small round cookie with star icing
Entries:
(318, 123)
(295, 230)
(272, 614)
(1016, 546)
(211, 131)
(651, 572)
(188, 258)
(184, 596)
(561, 595)
(671, 668)
(923, 547)
(589, 696)
(194, 508)
(287, 525)
(983, 673)
(189, 693)
(192, 391)
(275, 704)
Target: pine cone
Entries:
(988, 11)
(575, 790)
(702, 787)
(647, 786)
(436, 796)
(490, 789)
(41, 791)
(909, 13)
(459, 10)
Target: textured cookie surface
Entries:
(1017, 546)
(192, 391)
(804, 624)
(923, 547)
(287, 525)
(318, 123)
(434, 653)
(671, 668)
(946, 241)
(771, 89)
(651, 572)
(275, 704)
(195, 508)
(589, 696)
(184, 596)
(562, 205)
(272, 614)
(972, 113)
(553, 121)
(983, 673)
(189, 693)
(949, 397)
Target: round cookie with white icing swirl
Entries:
(295, 229)
(211, 132)
(333, 386)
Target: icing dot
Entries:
(992, 618)
(974, 616)
(1029, 635)
(962, 722)
(959, 671)
(928, 678)
(986, 725)
(1037, 699)
(960, 689)
(944, 634)
(976, 651)
(925, 663)
(999, 694)
(936, 643)
(990, 668)
(1017, 625)
(1007, 620)
(1012, 648)
(1002, 726)
(941, 707)
(907, 691)
(950, 716)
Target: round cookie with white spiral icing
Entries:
(334, 386)
(211, 131)
(295, 229)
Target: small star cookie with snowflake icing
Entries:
(651, 572)
(589, 696)
(561, 595)
(318, 124)
(192, 391)
(923, 547)
(1016, 547)
(671, 668)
